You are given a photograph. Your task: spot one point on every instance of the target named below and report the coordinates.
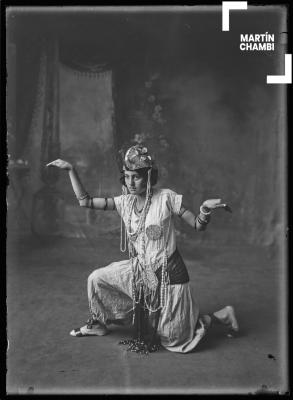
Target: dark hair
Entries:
(144, 173)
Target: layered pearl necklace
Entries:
(133, 235)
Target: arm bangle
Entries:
(83, 196)
(201, 221)
(204, 212)
(182, 211)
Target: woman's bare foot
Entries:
(227, 317)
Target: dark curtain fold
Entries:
(82, 56)
(116, 121)
(123, 102)
(46, 201)
(50, 145)
(28, 53)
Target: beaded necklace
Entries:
(147, 274)
(132, 235)
(140, 271)
(136, 210)
(144, 279)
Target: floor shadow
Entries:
(215, 336)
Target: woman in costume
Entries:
(151, 288)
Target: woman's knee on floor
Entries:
(96, 276)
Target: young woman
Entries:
(151, 288)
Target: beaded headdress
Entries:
(137, 157)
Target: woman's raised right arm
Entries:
(84, 199)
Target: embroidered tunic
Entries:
(110, 288)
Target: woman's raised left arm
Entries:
(201, 221)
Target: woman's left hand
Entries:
(212, 204)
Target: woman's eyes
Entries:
(136, 178)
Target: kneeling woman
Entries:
(150, 289)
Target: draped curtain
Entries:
(28, 60)
(40, 140)
(28, 53)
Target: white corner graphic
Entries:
(226, 7)
(287, 78)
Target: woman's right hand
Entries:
(60, 164)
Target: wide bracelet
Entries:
(204, 212)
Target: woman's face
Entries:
(135, 182)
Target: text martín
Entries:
(257, 42)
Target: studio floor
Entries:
(46, 298)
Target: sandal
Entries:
(91, 329)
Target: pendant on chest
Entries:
(154, 232)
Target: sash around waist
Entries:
(176, 268)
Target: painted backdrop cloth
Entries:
(110, 288)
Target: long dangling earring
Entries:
(149, 186)
(123, 234)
